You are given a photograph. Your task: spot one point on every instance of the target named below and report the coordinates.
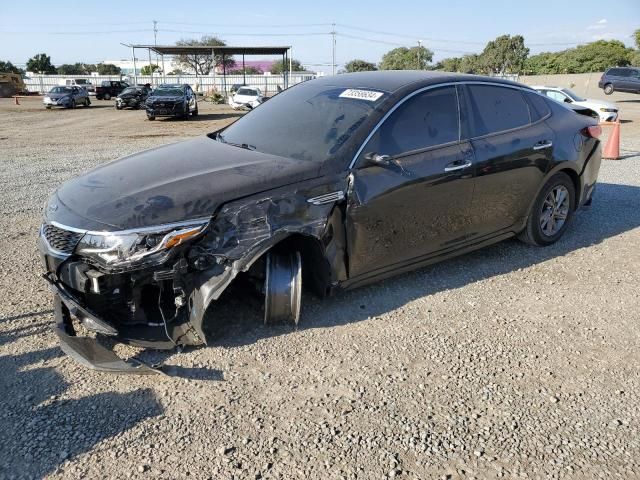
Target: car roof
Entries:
(392, 80)
(171, 85)
(536, 87)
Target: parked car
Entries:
(132, 97)
(67, 97)
(330, 185)
(171, 100)
(246, 97)
(235, 87)
(110, 88)
(620, 79)
(605, 111)
(79, 82)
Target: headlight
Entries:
(607, 109)
(120, 249)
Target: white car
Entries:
(607, 111)
(79, 82)
(246, 97)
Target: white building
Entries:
(126, 66)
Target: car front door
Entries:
(414, 200)
(513, 150)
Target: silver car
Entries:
(67, 97)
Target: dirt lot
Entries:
(511, 362)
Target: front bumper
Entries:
(56, 103)
(177, 110)
(88, 351)
(130, 103)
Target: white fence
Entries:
(267, 83)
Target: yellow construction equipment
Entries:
(11, 84)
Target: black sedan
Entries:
(172, 100)
(332, 184)
(132, 97)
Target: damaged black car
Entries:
(332, 184)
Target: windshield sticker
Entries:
(369, 95)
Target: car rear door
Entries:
(512, 152)
(419, 203)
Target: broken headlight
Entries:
(120, 249)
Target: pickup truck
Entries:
(110, 88)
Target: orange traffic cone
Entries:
(612, 149)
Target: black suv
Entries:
(171, 100)
(620, 79)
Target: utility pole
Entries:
(155, 38)
(333, 48)
(419, 51)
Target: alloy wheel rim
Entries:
(555, 210)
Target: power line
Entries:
(291, 25)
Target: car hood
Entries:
(56, 96)
(173, 183)
(128, 96)
(244, 98)
(596, 104)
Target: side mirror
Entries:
(373, 158)
(567, 100)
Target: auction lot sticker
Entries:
(369, 95)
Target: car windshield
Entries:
(247, 91)
(60, 90)
(573, 95)
(167, 92)
(307, 122)
(82, 81)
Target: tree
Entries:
(592, 57)
(72, 69)
(505, 54)
(176, 71)
(449, 64)
(107, 69)
(403, 58)
(296, 66)
(203, 63)
(636, 38)
(8, 67)
(247, 70)
(40, 63)
(359, 66)
(149, 69)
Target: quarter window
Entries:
(538, 106)
(425, 120)
(495, 109)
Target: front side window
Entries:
(425, 120)
(496, 109)
(557, 96)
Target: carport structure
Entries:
(224, 51)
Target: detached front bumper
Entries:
(86, 350)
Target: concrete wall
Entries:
(585, 84)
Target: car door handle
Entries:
(542, 145)
(458, 165)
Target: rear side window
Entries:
(425, 120)
(495, 109)
(537, 106)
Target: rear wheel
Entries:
(87, 102)
(151, 117)
(72, 105)
(283, 287)
(608, 89)
(107, 96)
(195, 112)
(551, 212)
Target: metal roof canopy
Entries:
(222, 50)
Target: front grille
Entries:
(62, 240)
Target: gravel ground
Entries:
(512, 362)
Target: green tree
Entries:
(403, 58)
(595, 56)
(449, 64)
(8, 67)
(40, 63)
(636, 38)
(358, 65)
(107, 69)
(470, 63)
(505, 54)
(296, 66)
(72, 69)
(149, 69)
(203, 63)
(176, 71)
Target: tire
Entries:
(107, 96)
(72, 105)
(87, 102)
(48, 107)
(608, 89)
(195, 112)
(283, 287)
(150, 117)
(98, 97)
(551, 213)
(117, 107)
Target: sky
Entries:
(92, 31)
